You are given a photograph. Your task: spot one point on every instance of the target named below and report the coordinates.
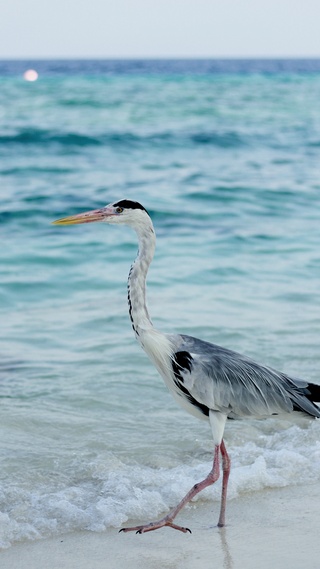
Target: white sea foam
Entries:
(110, 496)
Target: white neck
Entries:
(156, 345)
(138, 311)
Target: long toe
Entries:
(180, 528)
(155, 525)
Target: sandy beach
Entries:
(275, 528)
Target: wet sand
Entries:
(275, 528)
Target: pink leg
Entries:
(226, 466)
(168, 519)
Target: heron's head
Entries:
(124, 211)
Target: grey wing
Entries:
(226, 381)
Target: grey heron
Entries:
(210, 382)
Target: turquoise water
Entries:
(227, 163)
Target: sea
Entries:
(225, 156)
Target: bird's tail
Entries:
(307, 399)
(314, 391)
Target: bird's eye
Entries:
(119, 209)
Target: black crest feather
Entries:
(130, 205)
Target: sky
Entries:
(159, 28)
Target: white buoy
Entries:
(30, 75)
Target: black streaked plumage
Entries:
(182, 362)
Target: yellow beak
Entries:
(87, 217)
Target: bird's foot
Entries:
(156, 525)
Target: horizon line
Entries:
(158, 57)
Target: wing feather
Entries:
(233, 384)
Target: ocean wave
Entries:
(27, 170)
(34, 136)
(41, 137)
(109, 492)
(223, 139)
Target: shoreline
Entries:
(274, 528)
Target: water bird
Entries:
(209, 381)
